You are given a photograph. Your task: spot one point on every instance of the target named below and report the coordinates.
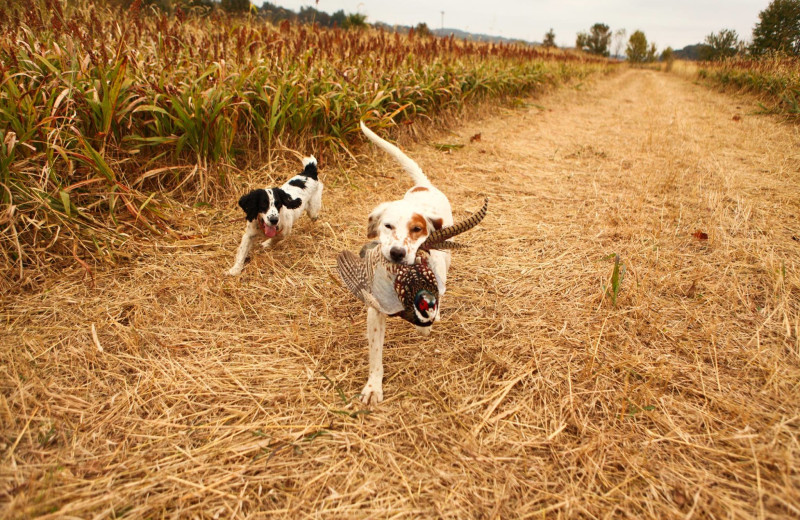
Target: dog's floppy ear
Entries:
(435, 223)
(284, 199)
(254, 203)
(375, 220)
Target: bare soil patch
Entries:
(169, 389)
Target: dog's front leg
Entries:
(251, 231)
(376, 331)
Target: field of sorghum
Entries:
(777, 78)
(106, 113)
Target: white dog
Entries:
(400, 227)
(272, 212)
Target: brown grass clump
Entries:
(163, 388)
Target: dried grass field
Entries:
(164, 389)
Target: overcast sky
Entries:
(676, 23)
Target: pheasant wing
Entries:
(353, 272)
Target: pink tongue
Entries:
(270, 231)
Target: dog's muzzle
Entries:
(397, 254)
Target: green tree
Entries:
(596, 41)
(721, 45)
(549, 38)
(581, 40)
(668, 57)
(778, 29)
(236, 6)
(355, 21)
(208, 5)
(311, 15)
(637, 48)
(422, 29)
(652, 52)
(338, 18)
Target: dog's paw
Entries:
(266, 244)
(234, 271)
(372, 394)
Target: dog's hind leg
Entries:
(376, 332)
(315, 203)
(250, 234)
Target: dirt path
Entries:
(210, 396)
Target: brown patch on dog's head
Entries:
(372, 227)
(374, 220)
(418, 188)
(437, 223)
(417, 226)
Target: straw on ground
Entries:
(534, 397)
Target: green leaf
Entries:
(311, 436)
(100, 163)
(446, 147)
(66, 202)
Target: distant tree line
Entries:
(168, 5)
(598, 40)
(267, 10)
(777, 31)
(312, 15)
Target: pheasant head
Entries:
(416, 287)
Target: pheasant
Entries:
(408, 291)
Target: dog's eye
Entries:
(416, 229)
(389, 226)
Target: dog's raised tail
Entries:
(310, 167)
(405, 161)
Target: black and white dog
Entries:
(272, 212)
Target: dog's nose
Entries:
(273, 221)
(397, 253)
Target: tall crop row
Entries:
(103, 111)
(776, 78)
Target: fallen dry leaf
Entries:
(699, 235)
(678, 497)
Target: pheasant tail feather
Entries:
(448, 244)
(436, 240)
